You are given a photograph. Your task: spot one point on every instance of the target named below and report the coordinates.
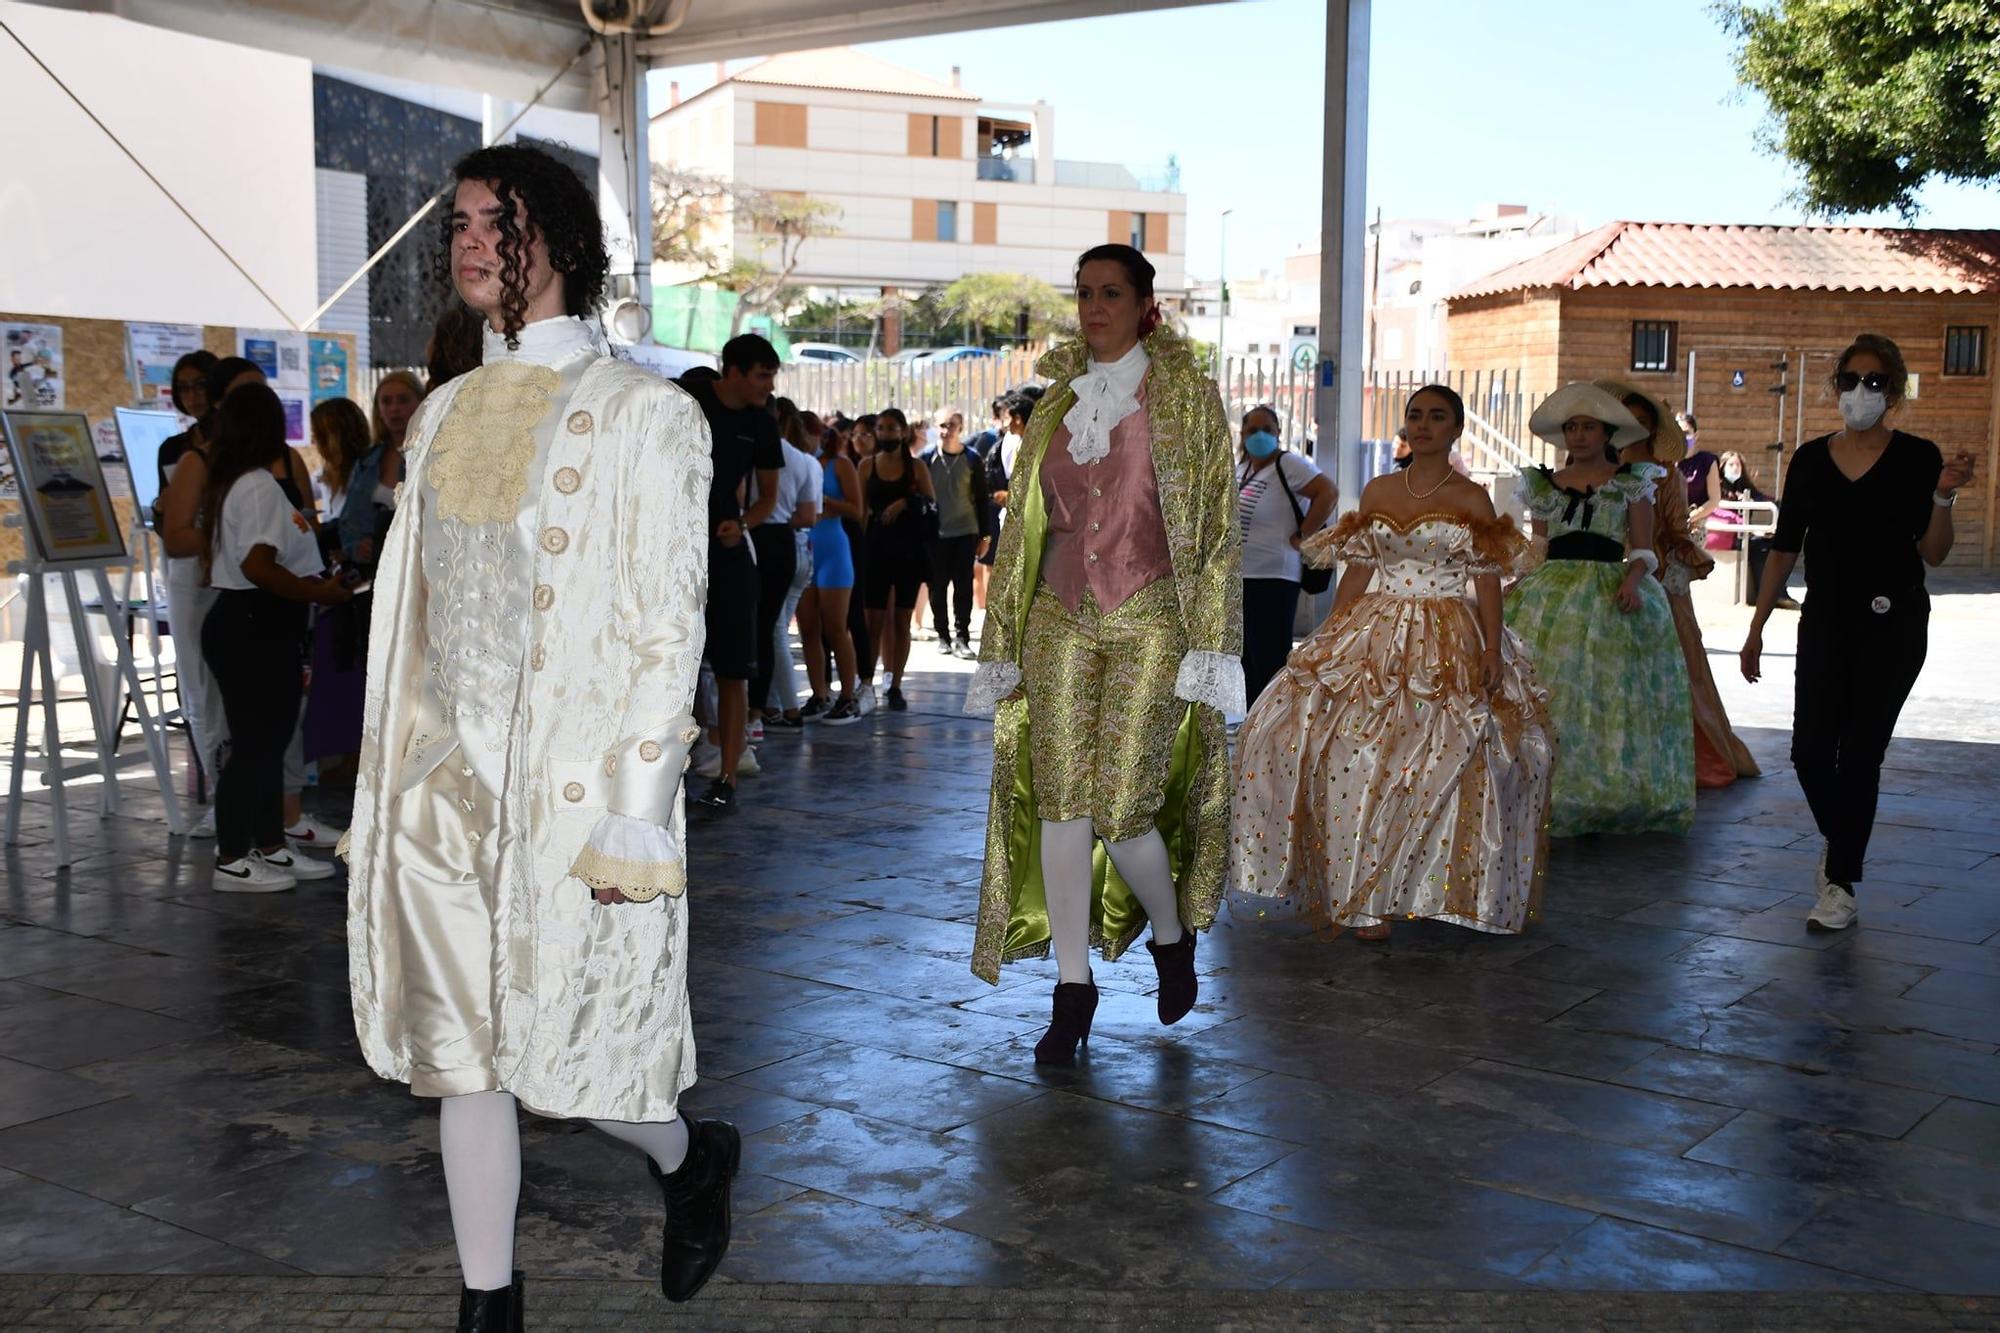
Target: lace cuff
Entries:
(991, 683)
(1675, 578)
(640, 860)
(1215, 679)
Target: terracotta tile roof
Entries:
(845, 69)
(1828, 259)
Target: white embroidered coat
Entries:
(590, 1001)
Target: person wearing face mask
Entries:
(1720, 757)
(1399, 765)
(1110, 656)
(1598, 627)
(1732, 484)
(896, 492)
(1869, 507)
(1281, 499)
(958, 479)
(1699, 471)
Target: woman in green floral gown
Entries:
(1600, 630)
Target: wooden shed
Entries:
(1742, 326)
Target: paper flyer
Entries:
(280, 353)
(34, 370)
(296, 410)
(329, 370)
(150, 353)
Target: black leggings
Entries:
(1854, 670)
(951, 569)
(777, 562)
(253, 642)
(1269, 607)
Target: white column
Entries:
(1343, 231)
(624, 171)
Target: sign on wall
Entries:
(34, 369)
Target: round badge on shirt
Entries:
(1880, 606)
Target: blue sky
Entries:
(1470, 102)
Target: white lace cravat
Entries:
(546, 342)
(1106, 394)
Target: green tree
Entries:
(780, 225)
(1023, 306)
(1871, 98)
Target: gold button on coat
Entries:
(537, 658)
(579, 423)
(568, 479)
(545, 597)
(573, 792)
(611, 767)
(650, 751)
(555, 541)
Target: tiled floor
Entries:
(1667, 1085)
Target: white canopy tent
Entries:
(590, 55)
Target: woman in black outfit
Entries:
(263, 559)
(1870, 507)
(896, 490)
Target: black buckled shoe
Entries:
(1069, 1025)
(496, 1311)
(1178, 984)
(696, 1235)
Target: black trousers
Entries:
(1854, 670)
(254, 644)
(1269, 606)
(951, 569)
(777, 562)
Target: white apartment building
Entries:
(931, 181)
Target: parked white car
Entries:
(833, 352)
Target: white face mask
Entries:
(1861, 407)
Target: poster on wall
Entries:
(329, 370)
(150, 353)
(296, 417)
(62, 488)
(279, 353)
(34, 354)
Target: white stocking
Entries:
(665, 1141)
(1142, 863)
(1066, 851)
(480, 1136)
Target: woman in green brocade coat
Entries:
(1111, 652)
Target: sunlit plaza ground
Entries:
(1665, 1086)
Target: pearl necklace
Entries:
(1411, 486)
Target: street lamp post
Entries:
(1222, 299)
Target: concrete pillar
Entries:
(624, 176)
(1343, 233)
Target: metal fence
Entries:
(1497, 406)
(858, 387)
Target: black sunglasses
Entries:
(1847, 381)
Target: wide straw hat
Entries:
(1669, 445)
(1584, 399)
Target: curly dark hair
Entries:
(557, 206)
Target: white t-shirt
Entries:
(798, 484)
(256, 513)
(1267, 517)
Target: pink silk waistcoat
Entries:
(1105, 529)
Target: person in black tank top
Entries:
(896, 508)
(1869, 507)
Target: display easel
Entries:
(37, 659)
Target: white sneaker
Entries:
(252, 874)
(756, 731)
(311, 835)
(204, 827)
(866, 700)
(1835, 909)
(296, 865)
(747, 765)
(707, 760)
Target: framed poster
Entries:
(61, 485)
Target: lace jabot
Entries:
(1106, 394)
(546, 342)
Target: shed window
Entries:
(1653, 344)
(1965, 349)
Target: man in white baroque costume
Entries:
(518, 930)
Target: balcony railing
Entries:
(1118, 176)
(1020, 170)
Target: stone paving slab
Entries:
(44, 1302)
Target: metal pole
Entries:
(1222, 298)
